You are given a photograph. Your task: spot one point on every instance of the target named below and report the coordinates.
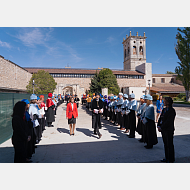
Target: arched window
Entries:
(134, 50)
(141, 50)
(128, 50)
(125, 53)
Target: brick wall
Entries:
(13, 76)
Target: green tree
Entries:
(170, 72)
(105, 79)
(182, 49)
(44, 83)
(94, 83)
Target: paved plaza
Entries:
(57, 146)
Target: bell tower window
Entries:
(141, 50)
(134, 50)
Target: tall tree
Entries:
(44, 83)
(94, 86)
(182, 49)
(105, 79)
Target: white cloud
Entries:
(31, 38)
(158, 60)
(5, 44)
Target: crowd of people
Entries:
(30, 118)
(123, 111)
(28, 122)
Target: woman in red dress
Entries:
(71, 115)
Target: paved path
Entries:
(57, 146)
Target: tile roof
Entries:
(163, 75)
(168, 88)
(80, 71)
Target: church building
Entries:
(135, 77)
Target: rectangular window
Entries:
(162, 80)
(153, 80)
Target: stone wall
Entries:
(12, 76)
(83, 83)
(131, 82)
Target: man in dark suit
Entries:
(97, 110)
(166, 127)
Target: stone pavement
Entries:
(57, 146)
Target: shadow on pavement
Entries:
(120, 149)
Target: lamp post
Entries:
(149, 85)
(33, 85)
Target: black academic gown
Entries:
(77, 100)
(19, 139)
(150, 136)
(30, 144)
(96, 117)
(50, 114)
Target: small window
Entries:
(134, 50)
(141, 50)
(153, 80)
(134, 42)
(140, 42)
(162, 80)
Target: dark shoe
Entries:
(95, 133)
(163, 160)
(140, 140)
(100, 135)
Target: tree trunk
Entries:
(187, 95)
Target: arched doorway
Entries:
(67, 90)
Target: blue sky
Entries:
(85, 47)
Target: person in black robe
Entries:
(76, 100)
(50, 117)
(30, 144)
(150, 136)
(97, 110)
(20, 136)
(166, 127)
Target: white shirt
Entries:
(72, 106)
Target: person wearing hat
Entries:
(50, 110)
(150, 128)
(97, 110)
(30, 149)
(132, 117)
(125, 112)
(77, 100)
(34, 116)
(139, 113)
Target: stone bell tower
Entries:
(134, 48)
